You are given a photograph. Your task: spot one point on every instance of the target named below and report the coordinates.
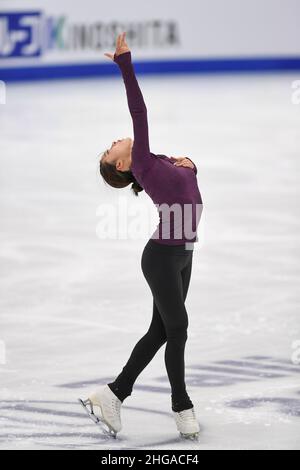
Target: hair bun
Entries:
(136, 188)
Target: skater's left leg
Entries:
(186, 277)
(141, 355)
(167, 271)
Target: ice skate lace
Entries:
(187, 415)
(115, 406)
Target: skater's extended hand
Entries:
(183, 161)
(121, 46)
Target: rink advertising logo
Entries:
(2, 92)
(20, 34)
(28, 34)
(296, 92)
(296, 353)
(134, 221)
(2, 353)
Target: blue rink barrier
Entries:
(228, 65)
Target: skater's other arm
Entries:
(141, 158)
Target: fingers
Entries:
(110, 56)
(185, 162)
(180, 159)
(118, 41)
(188, 163)
(121, 40)
(185, 165)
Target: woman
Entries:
(166, 260)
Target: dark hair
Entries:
(119, 179)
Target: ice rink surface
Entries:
(73, 305)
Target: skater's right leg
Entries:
(105, 402)
(141, 355)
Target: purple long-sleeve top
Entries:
(173, 189)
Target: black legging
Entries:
(167, 269)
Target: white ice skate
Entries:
(104, 407)
(187, 423)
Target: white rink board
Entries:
(197, 30)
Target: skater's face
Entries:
(119, 154)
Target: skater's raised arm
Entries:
(140, 150)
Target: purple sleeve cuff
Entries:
(195, 168)
(123, 58)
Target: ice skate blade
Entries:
(192, 436)
(106, 428)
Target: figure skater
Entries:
(166, 260)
